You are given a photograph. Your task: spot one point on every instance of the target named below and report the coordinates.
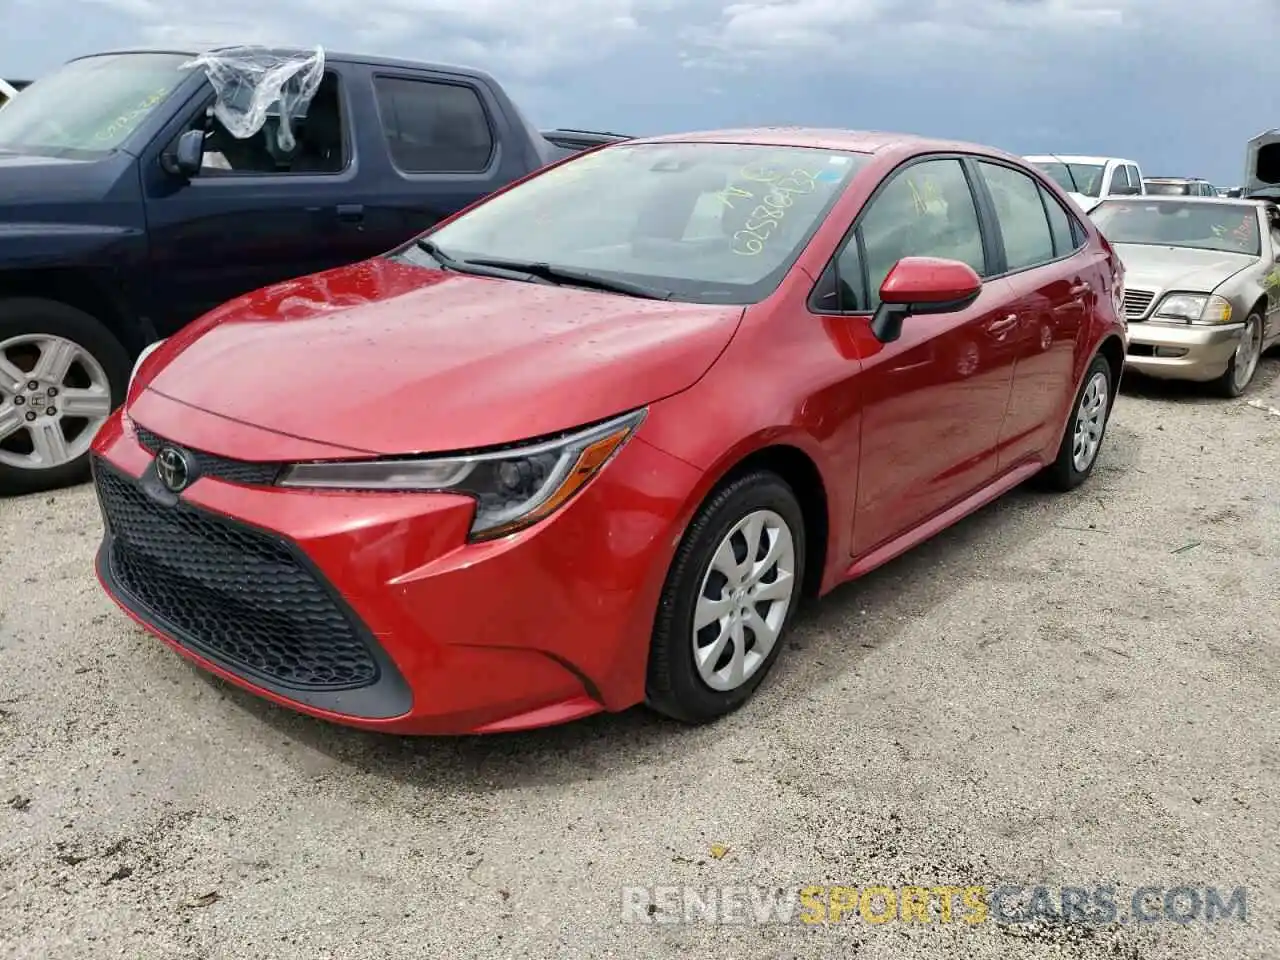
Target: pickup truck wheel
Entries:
(61, 374)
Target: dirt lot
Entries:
(1070, 691)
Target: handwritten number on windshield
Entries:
(765, 217)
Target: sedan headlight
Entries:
(146, 352)
(513, 488)
(1194, 308)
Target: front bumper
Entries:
(373, 610)
(1182, 352)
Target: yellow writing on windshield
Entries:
(777, 198)
(123, 123)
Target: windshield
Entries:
(1083, 178)
(1226, 227)
(706, 222)
(1157, 189)
(89, 107)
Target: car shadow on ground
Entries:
(831, 638)
(1142, 387)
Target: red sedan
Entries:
(588, 444)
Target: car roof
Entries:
(1075, 158)
(330, 56)
(826, 138)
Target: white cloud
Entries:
(875, 31)
(517, 37)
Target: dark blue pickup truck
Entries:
(128, 208)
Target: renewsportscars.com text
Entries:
(970, 905)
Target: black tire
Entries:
(25, 315)
(1225, 385)
(1062, 475)
(674, 687)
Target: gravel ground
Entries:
(1069, 691)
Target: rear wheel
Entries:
(1244, 362)
(728, 600)
(1082, 439)
(61, 374)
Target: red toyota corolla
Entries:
(587, 444)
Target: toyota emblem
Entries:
(173, 469)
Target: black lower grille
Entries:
(229, 592)
(245, 472)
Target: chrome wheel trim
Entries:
(1091, 420)
(59, 396)
(1248, 353)
(743, 600)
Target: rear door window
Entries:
(1024, 226)
(434, 127)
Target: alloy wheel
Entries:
(54, 395)
(1248, 352)
(744, 598)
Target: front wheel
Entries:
(61, 374)
(1087, 425)
(728, 600)
(1244, 362)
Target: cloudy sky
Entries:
(1177, 85)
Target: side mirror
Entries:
(922, 285)
(188, 154)
(1235, 193)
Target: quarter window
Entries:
(1065, 239)
(1024, 226)
(434, 127)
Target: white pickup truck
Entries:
(1090, 180)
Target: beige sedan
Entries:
(1201, 285)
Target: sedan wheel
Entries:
(1082, 440)
(745, 596)
(728, 599)
(1091, 421)
(1244, 362)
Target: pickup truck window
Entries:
(433, 127)
(709, 222)
(89, 107)
(319, 133)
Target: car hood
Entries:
(1178, 268)
(385, 357)
(1085, 203)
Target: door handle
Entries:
(998, 328)
(351, 212)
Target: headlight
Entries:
(146, 352)
(1194, 308)
(513, 488)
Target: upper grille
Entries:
(230, 592)
(1137, 303)
(204, 464)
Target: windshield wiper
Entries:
(478, 268)
(569, 275)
